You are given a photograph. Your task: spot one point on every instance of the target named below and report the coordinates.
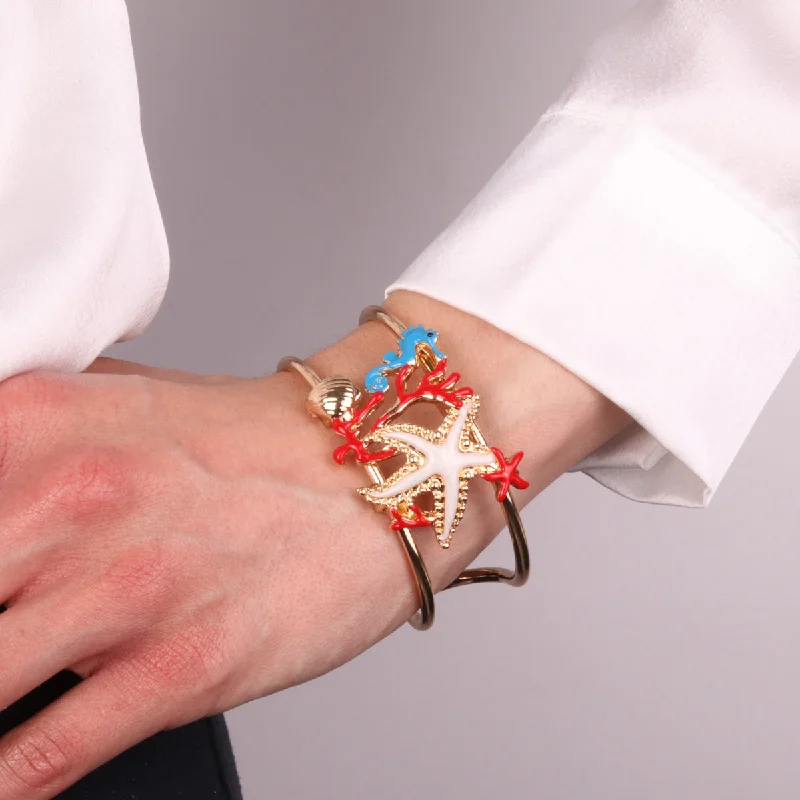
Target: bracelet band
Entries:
(438, 463)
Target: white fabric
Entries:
(645, 234)
(83, 255)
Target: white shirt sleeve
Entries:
(83, 254)
(645, 235)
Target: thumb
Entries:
(118, 366)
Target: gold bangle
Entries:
(433, 462)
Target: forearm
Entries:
(528, 402)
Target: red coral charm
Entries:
(417, 520)
(349, 430)
(431, 387)
(507, 475)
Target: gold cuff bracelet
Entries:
(429, 489)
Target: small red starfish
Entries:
(507, 475)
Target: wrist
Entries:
(528, 402)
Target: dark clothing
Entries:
(194, 762)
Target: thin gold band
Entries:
(302, 369)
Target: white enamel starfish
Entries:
(436, 461)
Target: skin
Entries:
(186, 543)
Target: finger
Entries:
(118, 366)
(84, 728)
(44, 636)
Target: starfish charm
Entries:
(507, 475)
(440, 462)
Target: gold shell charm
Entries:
(333, 398)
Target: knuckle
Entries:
(24, 399)
(36, 390)
(39, 759)
(141, 576)
(31, 404)
(91, 482)
(10, 431)
(189, 660)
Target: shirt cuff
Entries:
(647, 272)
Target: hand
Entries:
(185, 543)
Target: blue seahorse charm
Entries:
(376, 380)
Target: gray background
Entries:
(318, 146)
